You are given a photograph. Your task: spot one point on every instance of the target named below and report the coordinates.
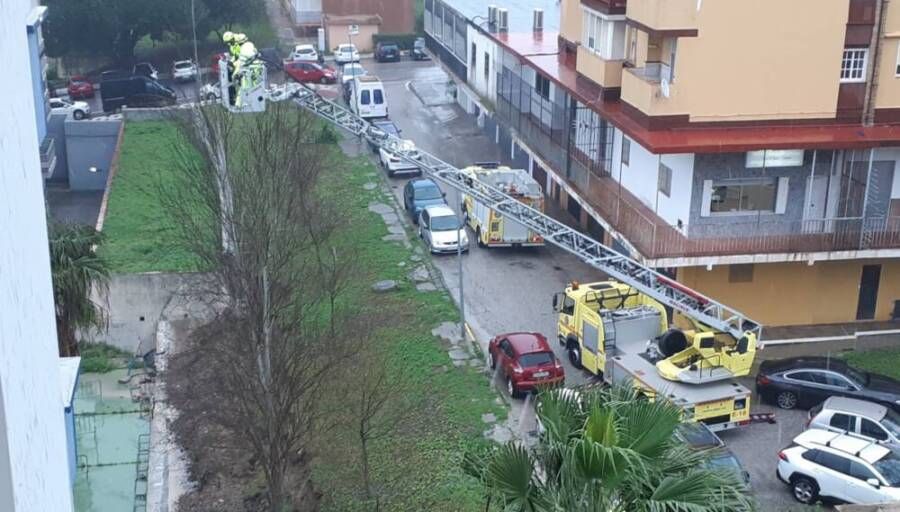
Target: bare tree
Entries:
(270, 240)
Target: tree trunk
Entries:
(66, 340)
(364, 453)
(276, 488)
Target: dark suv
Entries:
(387, 52)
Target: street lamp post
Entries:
(196, 54)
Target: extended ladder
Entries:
(646, 280)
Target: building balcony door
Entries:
(868, 292)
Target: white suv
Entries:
(866, 419)
(841, 466)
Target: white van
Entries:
(367, 98)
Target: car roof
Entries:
(304, 47)
(851, 445)
(182, 62)
(527, 342)
(368, 78)
(440, 210)
(852, 405)
(797, 363)
(346, 45)
(422, 183)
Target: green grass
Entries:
(422, 459)
(882, 361)
(140, 235)
(102, 358)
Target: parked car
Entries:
(210, 92)
(310, 72)
(346, 53)
(387, 127)
(419, 193)
(441, 230)
(271, 57)
(367, 97)
(843, 467)
(418, 50)
(867, 419)
(387, 52)
(348, 73)
(134, 91)
(145, 69)
(808, 381)
(526, 361)
(393, 164)
(80, 87)
(184, 71)
(78, 109)
(697, 436)
(304, 53)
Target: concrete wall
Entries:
(135, 303)
(90, 144)
(486, 87)
(397, 15)
(797, 293)
(336, 34)
(56, 129)
(888, 93)
(34, 475)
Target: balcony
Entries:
(665, 16)
(642, 89)
(606, 73)
(48, 156)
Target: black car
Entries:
(134, 91)
(697, 436)
(807, 381)
(418, 51)
(388, 127)
(387, 52)
(271, 57)
(146, 69)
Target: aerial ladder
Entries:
(705, 313)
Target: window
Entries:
(506, 348)
(542, 86)
(837, 381)
(632, 45)
(860, 472)
(665, 180)
(802, 376)
(834, 462)
(740, 273)
(474, 55)
(871, 429)
(626, 150)
(364, 98)
(379, 96)
(897, 69)
(604, 36)
(743, 196)
(536, 359)
(853, 65)
(843, 422)
(487, 66)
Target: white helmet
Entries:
(228, 37)
(248, 50)
(240, 38)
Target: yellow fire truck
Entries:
(613, 331)
(491, 228)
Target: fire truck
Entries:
(493, 229)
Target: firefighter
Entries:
(247, 69)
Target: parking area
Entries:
(509, 290)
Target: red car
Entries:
(80, 87)
(310, 72)
(526, 361)
(214, 62)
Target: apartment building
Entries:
(747, 148)
(34, 472)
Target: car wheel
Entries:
(786, 400)
(575, 356)
(805, 490)
(493, 361)
(511, 389)
(323, 80)
(78, 115)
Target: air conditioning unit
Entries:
(502, 20)
(492, 15)
(538, 24)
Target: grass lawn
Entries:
(883, 361)
(140, 236)
(421, 461)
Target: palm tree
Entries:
(77, 270)
(605, 450)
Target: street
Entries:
(508, 290)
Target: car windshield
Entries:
(182, 65)
(78, 81)
(389, 128)
(354, 71)
(891, 421)
(419, 44)
(696, 435)
(444, 223)
(889, 467)
(535, 359)
(428, 192)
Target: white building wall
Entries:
(34, 474)
(641, 178)
(486, 87)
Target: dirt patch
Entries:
(224, 472)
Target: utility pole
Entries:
(196, 54)
(462, 303)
